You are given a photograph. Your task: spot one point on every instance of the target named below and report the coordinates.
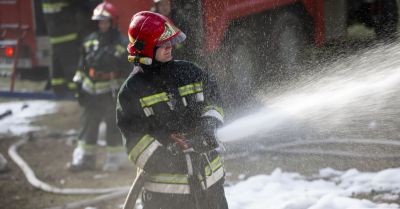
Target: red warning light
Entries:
(9, 51)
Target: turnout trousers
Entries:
(212, 198)
(98, 108)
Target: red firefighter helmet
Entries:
(105, 11)
(148, 30)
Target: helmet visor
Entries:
(178, 38)
(100, 17)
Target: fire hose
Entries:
(107, 193)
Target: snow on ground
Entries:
(331, 189)
(18, 122)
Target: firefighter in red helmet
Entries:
(101, 70)
(105, 11)
(168, 112)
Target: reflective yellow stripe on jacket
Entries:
(64, 38)
(52, 8)
(143, 150)
(212, 107)
(62, 81)
(154, 99)
(190, 89)
(89, 148)
(98, 87)
(169, 178)
(58, 81)
(214, 111)
(90, 43)
(214, 165)
(179, 183)
(119, 50)
(115, 149)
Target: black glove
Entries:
(204, 138)
(80, 94)
(181, 141)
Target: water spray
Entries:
(350, 87)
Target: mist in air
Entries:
(356, 93)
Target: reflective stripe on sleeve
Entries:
(214, 165)
(154, 99)
(89, 148)
(64, 38)
(190, 89)
(115, 149)
(78, 77)
(71, 85)
(52, 8)
(98, 87)
(215, 112)
(143, 150)
(57, 81)
(214, 178)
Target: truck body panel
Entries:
(211, 22)
(17, 22)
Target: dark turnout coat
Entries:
(161, 99)
(103, 66)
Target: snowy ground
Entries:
(21, 113)
(330, 189)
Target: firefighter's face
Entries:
(164, 52)
(104, 25)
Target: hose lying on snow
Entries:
(93, 201)
(3, 163)
(34, 181)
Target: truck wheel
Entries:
(287, 43)
(386, 22)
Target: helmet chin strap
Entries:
(137, 68)
(139, 59)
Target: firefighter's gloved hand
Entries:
(205, 135)
(79, 94)
(78, 80)
(181, 141)
(204, 138)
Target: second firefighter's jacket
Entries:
(159, 100)
(102, 66)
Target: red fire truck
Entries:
(24, 46)
(254, 37)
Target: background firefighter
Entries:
(66, 24)
(101, 70)
(168, 111)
